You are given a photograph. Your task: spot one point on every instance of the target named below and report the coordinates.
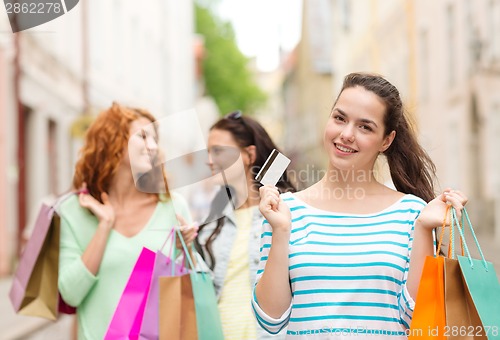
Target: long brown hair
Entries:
(105, 143)
(411, 168)
(245, 131)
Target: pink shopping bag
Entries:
(164, 266)
(128, 316)
(34, 286)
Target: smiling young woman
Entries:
(354, 134)
(230, 244)
(104, 229)
(333, 261)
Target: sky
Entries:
(262, 26)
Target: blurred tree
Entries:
(227, 77)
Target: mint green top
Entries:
(96, 297)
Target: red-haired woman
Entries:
(104, 230)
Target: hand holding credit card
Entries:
(273, 168)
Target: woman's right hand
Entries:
(104, 212)
(275, 211)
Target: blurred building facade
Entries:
(458, 91)
(375, 36)
(307, 91)
(271, 114)
(79, 63)
(444, 58)
(5, 151)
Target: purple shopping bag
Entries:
(34, 286)
(128, 316)
(163, 267)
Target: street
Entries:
(16, 327)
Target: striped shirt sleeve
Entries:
(406, 303)
(348, 271)
(271, 325)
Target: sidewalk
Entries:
(491, 250)
(13, 326)
(17, 327)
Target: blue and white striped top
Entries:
(347, 271)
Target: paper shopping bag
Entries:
(163, 267)
(429, 318)
(188, 305)
(177, 314)
(128, 316)
(34, 286)
(462, 320)
(429, 312)
(481, 282)
(208, 320)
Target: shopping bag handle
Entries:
(171, 232)
(455, 221)
(173, 246)
(451, 244)
(177, 233)
(54, 207)
(171, 251)
(443, 226)
(186, 253)
(451, 239)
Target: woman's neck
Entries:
(250, 202)
(123, 189)
(353, 178)
(344, 185)
(253, 195)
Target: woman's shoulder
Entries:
(295, 202)
(69, 209)
(289, 197)
(177, 204)
(389, 200)
(298, 196)
(68, 204)
(400, 201)
(174, 199)
(286, 194)
(390, 197)
(412, 200)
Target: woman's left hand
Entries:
(433, 214)
(189, 232)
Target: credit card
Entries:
(273, 168)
